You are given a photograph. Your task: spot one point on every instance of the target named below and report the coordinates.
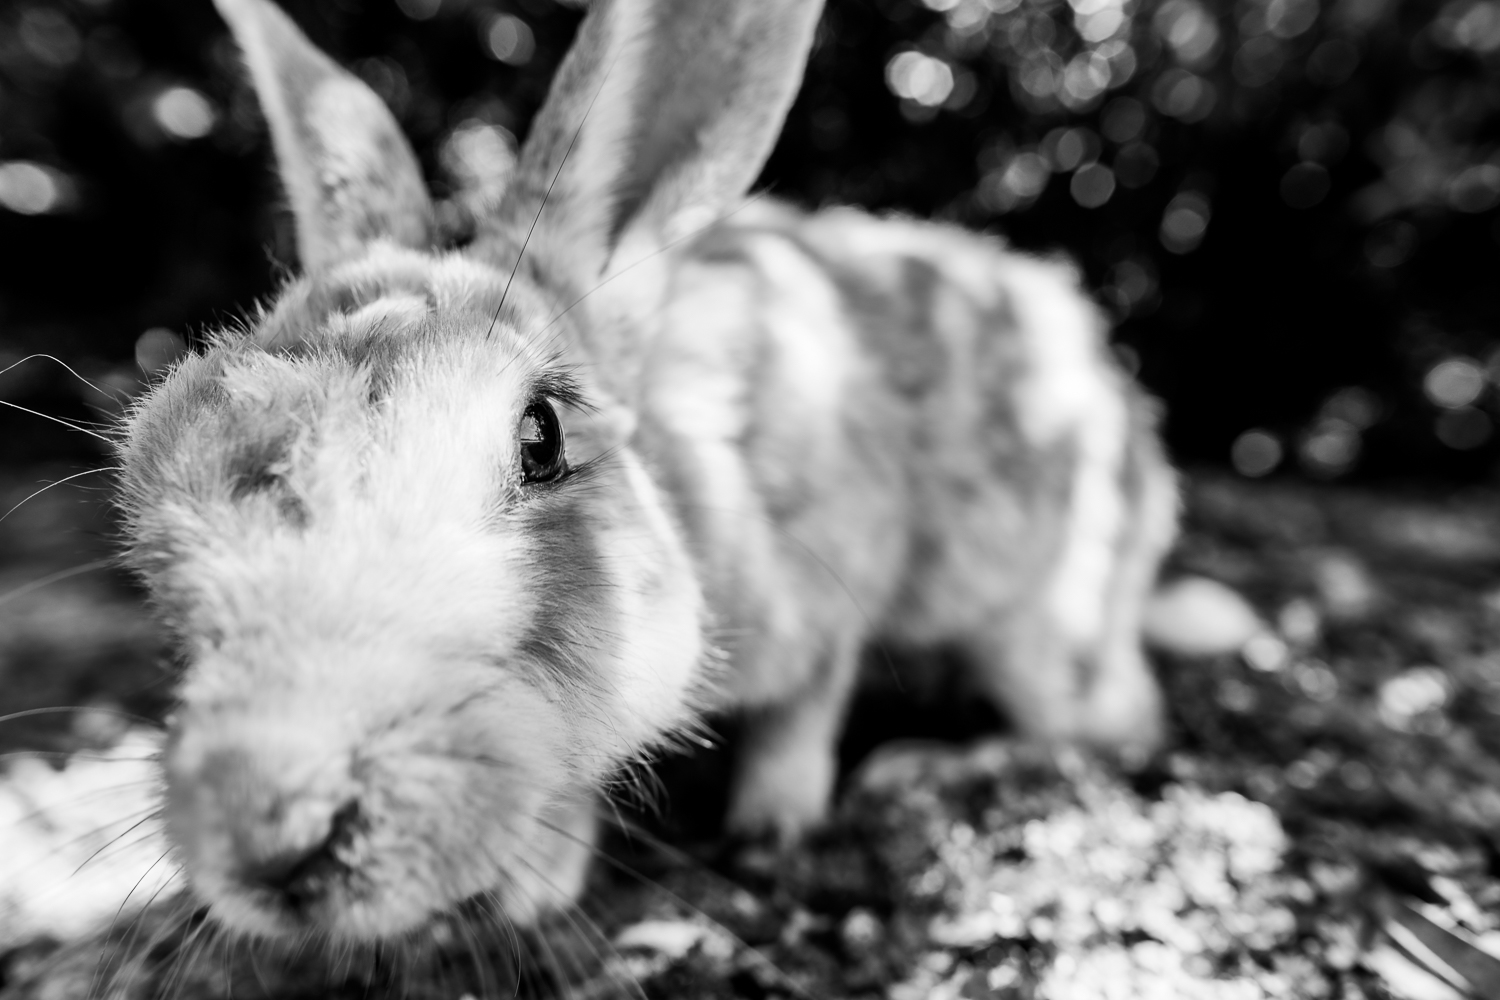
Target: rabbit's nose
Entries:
(264, 816)
(312, 858)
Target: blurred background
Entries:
(1289, 206)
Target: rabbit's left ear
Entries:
(658, 120)
(349, 173)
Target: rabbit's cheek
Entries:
(660, 612)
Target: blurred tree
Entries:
(1290, 206)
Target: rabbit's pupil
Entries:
(541, 441)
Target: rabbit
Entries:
(449, 540)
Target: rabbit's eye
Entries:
(541, 440)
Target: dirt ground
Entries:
(1326, 824)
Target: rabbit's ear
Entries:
(349, 173)
(659, 119)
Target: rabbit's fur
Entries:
(411, 672)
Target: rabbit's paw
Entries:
(553, 875)
(782, 790)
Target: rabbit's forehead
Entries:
(393, 288)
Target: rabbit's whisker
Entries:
(70, 425)
(114, 395)
(651, 883)
(172, 923)
(70, 755)
(104, 952)
(545, 196)
(186, 953)
(143, 814)
(664, 248)
(48, 580)
(583, 926)
(119, 837)
(57, 709)
(59, 482)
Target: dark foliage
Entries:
(1290, 205)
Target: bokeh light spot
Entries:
(1290, 18)
(1258, 61)
(1093, 185)
(1469, 24)
(1122, 61)
(509, 39)
(1390, 244)
(1333, 62)
(1355, 405)
(1023, 177)
(1070, 148)
(1084, 79)
(1476, 188)
(1099, 24)
(1183, 95)
(1256, 453)
(48, 35)
(921, 78)
(1305, 185)
(1136, 164)
(479, 158)
(1411, 694)
(1323, 143)
(1330, 447)
(419, 10)
(1185, 222)
(28, 188)
(1454, 382)
(1040, 75)
(387, 77)
(157, 349)
(183, 113)
(1317, 681)
(1464, 429)
(1266, 652)
(1188, 29)
(1132, 284)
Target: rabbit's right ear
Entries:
(349, 173)
(658, 121)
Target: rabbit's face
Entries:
(424, 591)
(427, 596)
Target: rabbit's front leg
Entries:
(788, 752)
(551, 872)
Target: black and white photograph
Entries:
(750, 499)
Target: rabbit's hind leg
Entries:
(1122, 707)
(1104, 697)
(1065, 663)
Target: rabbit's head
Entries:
(428, 598)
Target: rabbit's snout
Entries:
(281, 826)
(304, 874)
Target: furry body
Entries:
(414, 664)
(879, 428)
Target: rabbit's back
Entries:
(903, 429)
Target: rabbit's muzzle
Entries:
(361, 822)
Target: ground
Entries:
(1326, 823)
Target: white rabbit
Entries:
(448, 540)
